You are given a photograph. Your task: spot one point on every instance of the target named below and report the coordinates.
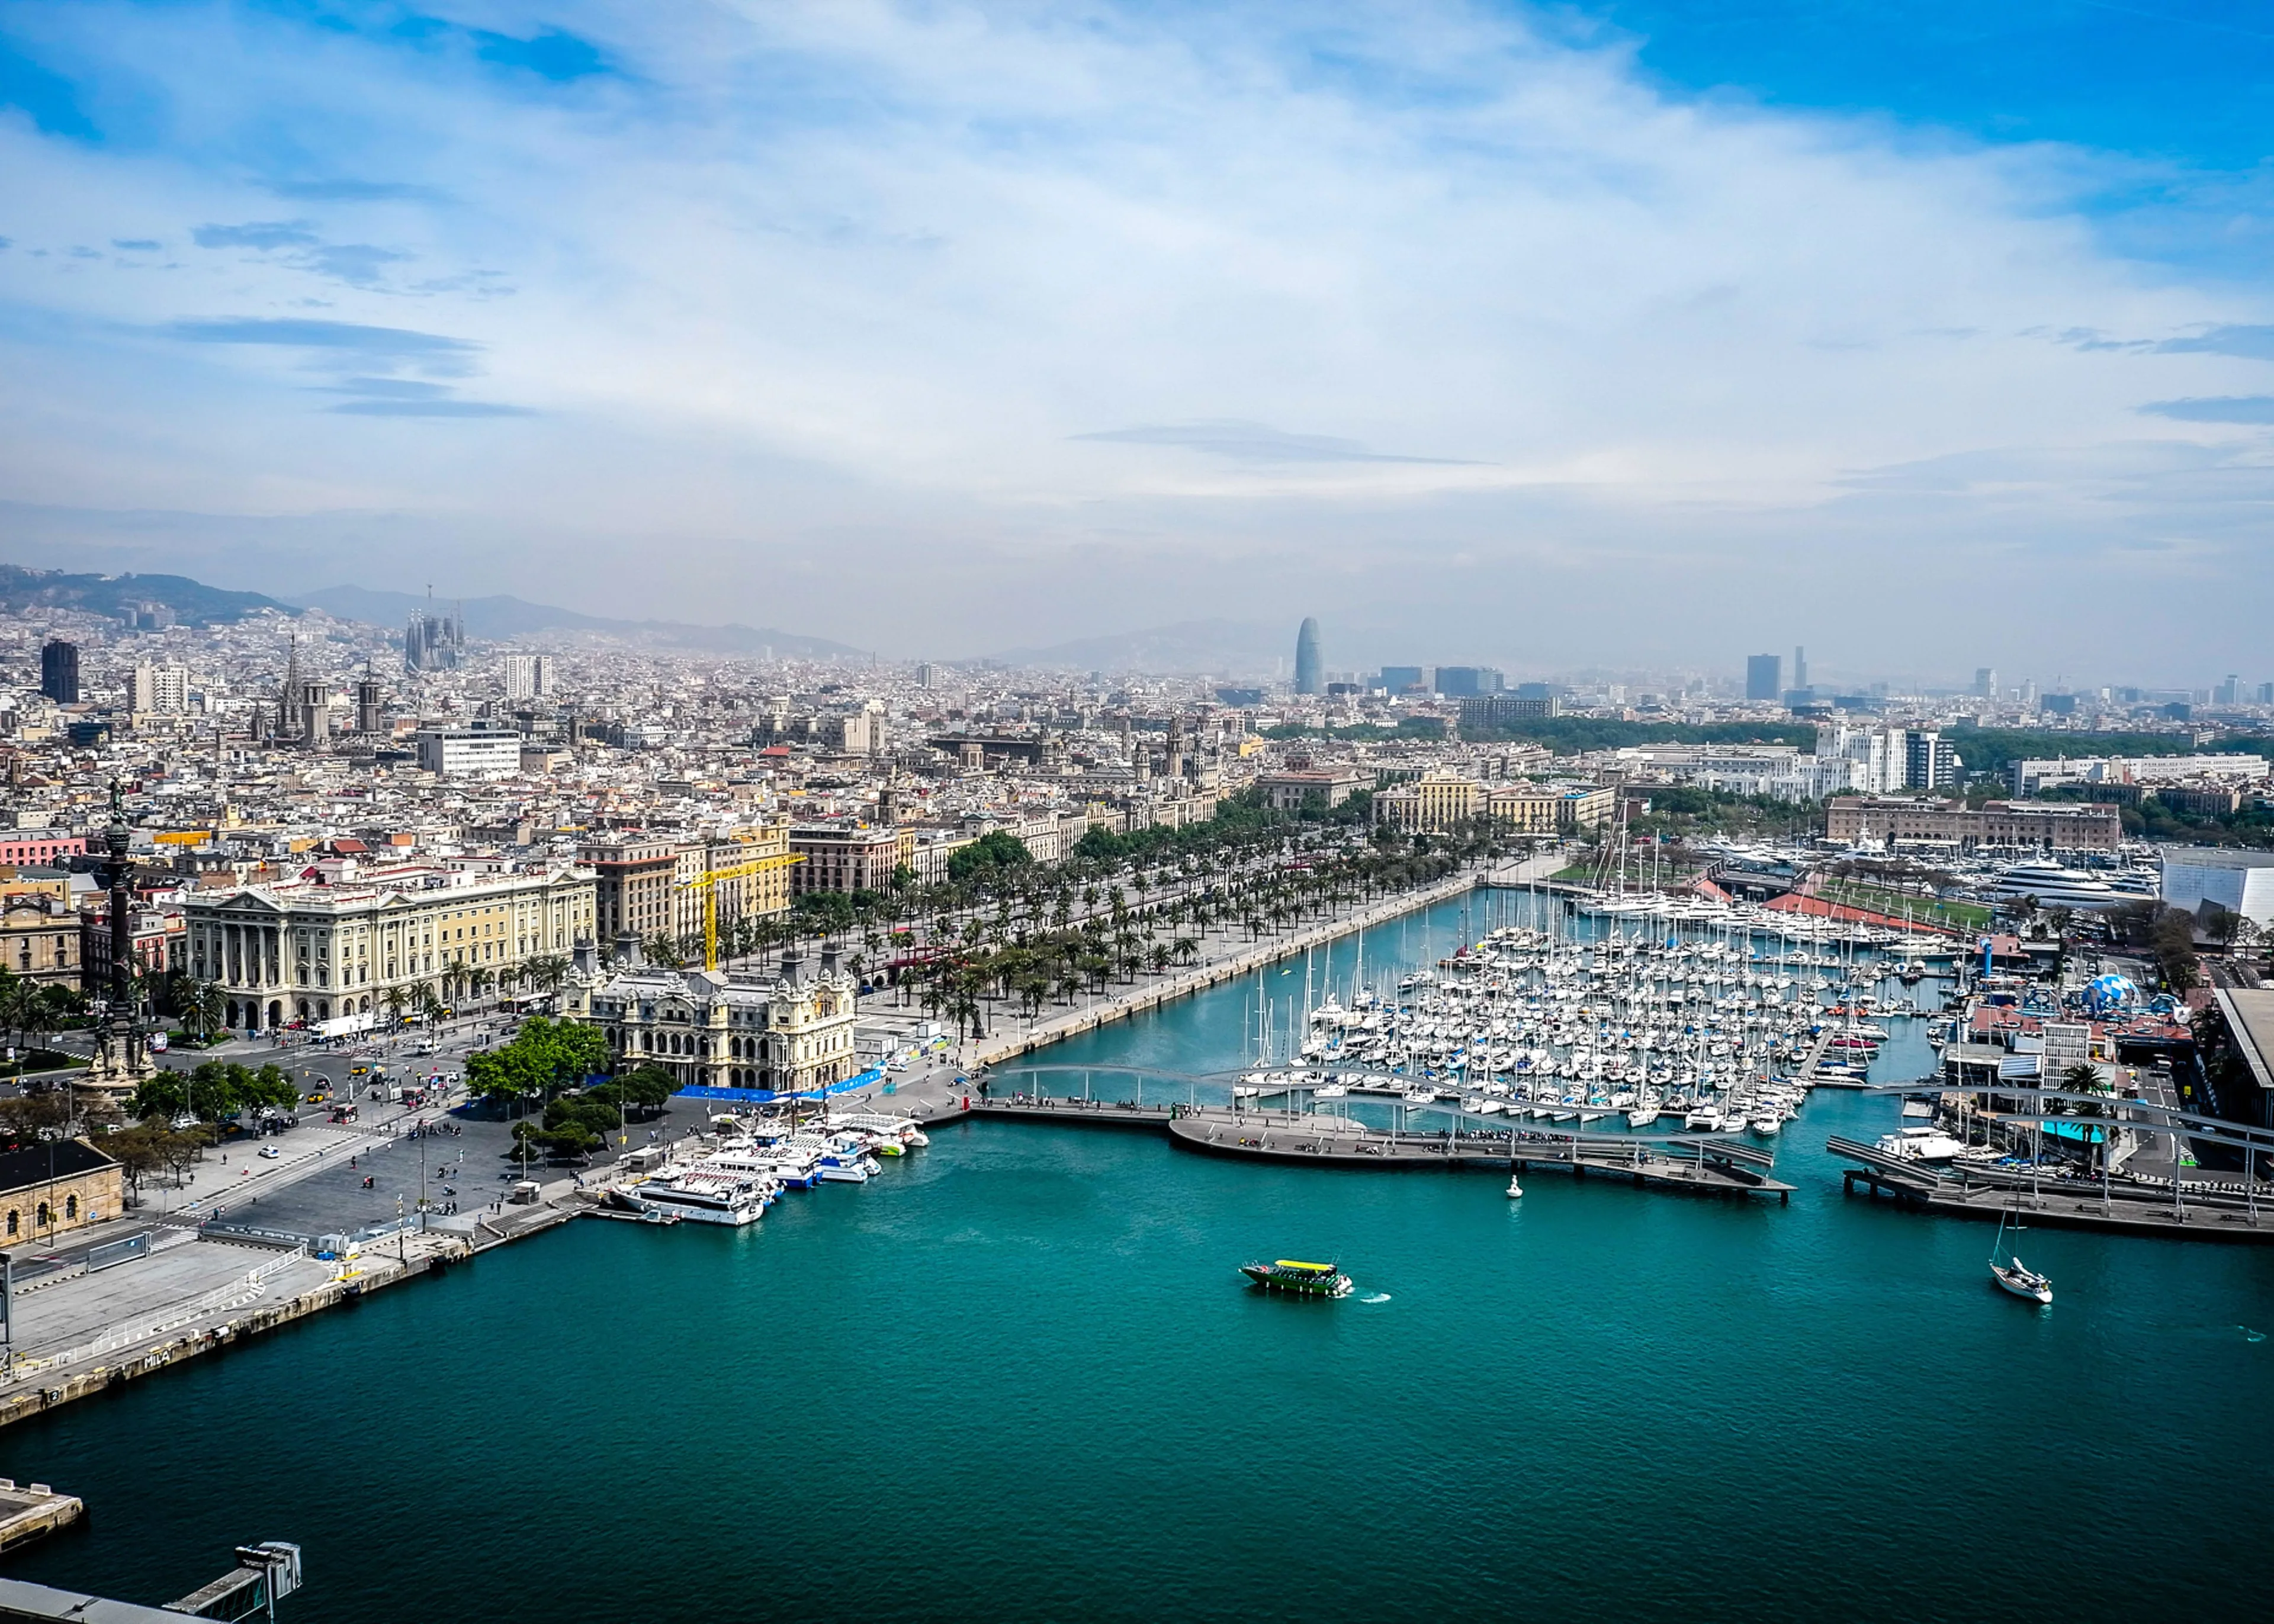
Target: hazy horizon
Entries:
(1631, 336)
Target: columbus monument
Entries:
(121, 1060)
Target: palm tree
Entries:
(204, 1005)
(2085, 1078)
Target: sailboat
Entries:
(2013, 1275)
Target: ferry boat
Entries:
(1301, 1278)
(708, 1197)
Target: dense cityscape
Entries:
(1107, 811)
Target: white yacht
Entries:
(2050, 884)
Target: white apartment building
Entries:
(158, 690)
(469, 753)
(2031, 777)
(337, 939)
(529, 676)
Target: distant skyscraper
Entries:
(59, 672)
(1397, 679)
(1468, 681)
(1985, 681)
(1310, 670)
(1799, 666)
(1765, 676)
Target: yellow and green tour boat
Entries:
(1302, 1278)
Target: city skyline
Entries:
(1616, 317)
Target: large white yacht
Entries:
(2050, 884)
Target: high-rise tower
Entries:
(1310, 673)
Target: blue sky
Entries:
(1930, 334)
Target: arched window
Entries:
(15, 1220)
(71, 1208)
(45, 1217)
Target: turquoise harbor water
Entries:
(1017, 1378)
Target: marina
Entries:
(1056, 1309)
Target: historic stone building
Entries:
(788, 1033)
(339, 938)
(48, 1189)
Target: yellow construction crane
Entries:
(708, 882)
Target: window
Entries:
(15, 1220)
(71, 1206)
(45, 1217)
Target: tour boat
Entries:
(1299, 1279)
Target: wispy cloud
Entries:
(257, 234)
(357, 192)
(299, 333)
(2216, 409)
(2252, 343)
(1256, 442)
(1366, 286)
(431, 409)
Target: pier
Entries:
(1688, 1163)
(31, 1509)
(2200, 1211)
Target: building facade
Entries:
(340, 940)
(2238, 882)
(59, 670)
(789, 1034)
(49, 1189)
(843, 857)
(40, 939)
(2019, 825)
(469, 752)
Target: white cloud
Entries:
(893, 287)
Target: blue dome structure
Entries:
(2104, 995)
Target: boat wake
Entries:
(2250, 1335)
(1379, 1296)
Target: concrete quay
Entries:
(29, 1510)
